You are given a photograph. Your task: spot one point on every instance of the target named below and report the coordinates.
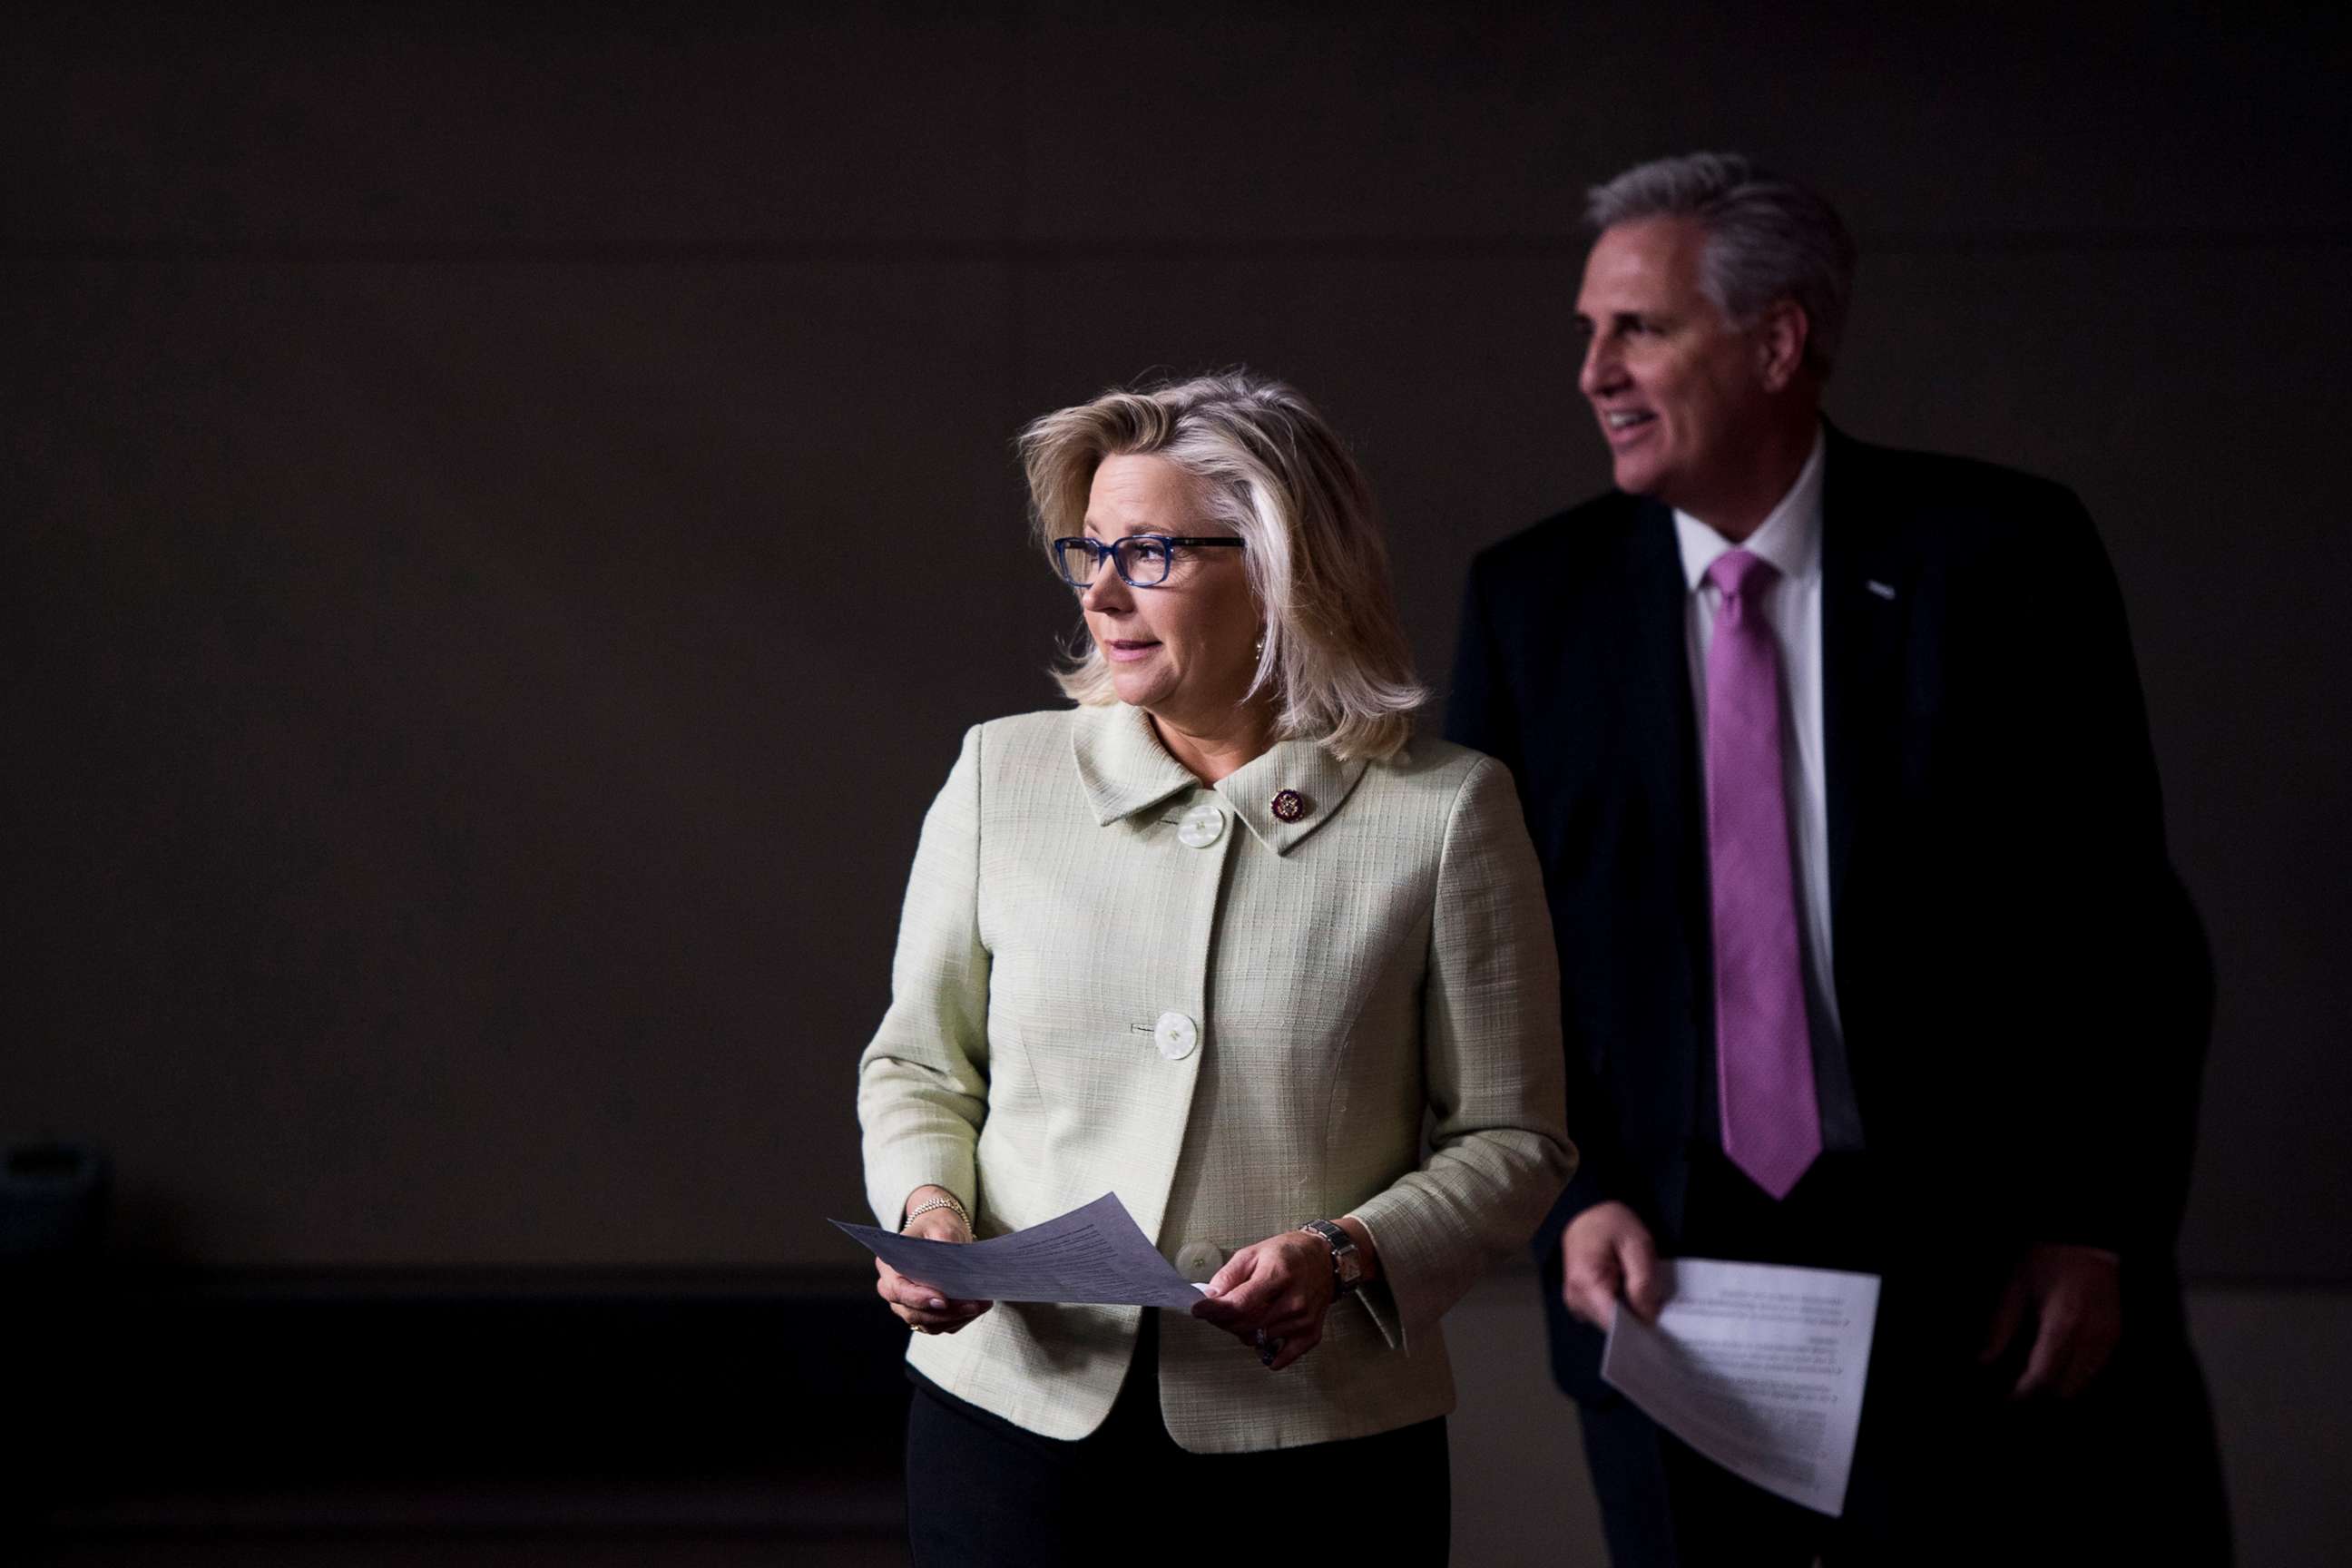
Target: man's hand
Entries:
(1606, 1249)
(2077, 1312)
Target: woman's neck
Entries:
(1209, 752)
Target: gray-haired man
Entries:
(1871, 952)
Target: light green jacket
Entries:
(1113, 978)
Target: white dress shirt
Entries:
(1790, 540)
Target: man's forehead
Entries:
(1644, 260)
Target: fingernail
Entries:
(935, 1303)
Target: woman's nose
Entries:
(1107, 595)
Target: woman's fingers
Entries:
(1236, 1276)
(1279, 1350)
(923, 1306)
(1282, 1278)
(1272, 1297)
(900, 1292)
(939, 1321)
(1234, 1299)
(927, 1322)
(1273, 1310)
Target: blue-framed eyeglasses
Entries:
(1141, 559)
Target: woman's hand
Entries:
(1272, 1296)
(924, 1307)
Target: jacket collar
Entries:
(1121, 764)
(1125, 770)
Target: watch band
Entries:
(1347, 1262)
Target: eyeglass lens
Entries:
(1140, 560)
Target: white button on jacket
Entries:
(1202, 826)
(1176, 1035)
(1199, 1260)
(1310, 989)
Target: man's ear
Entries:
(1782, 332)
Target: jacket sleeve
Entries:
(1491, 1067)
(922, 1084)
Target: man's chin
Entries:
(1636, 478)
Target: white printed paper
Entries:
(1759, 1368)
(1096, 1254)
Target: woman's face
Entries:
(1181, 651)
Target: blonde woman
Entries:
(1222, 938)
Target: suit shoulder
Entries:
(1968, 497)
(1581, 532)
(1589, 547)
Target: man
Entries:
(1870, 954)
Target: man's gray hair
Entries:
(1767, 238)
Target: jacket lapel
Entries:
(1659, 680)
(1661, 729)
(1867, 599)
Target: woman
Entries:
(1216, 940)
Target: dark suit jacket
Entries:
(2020, 979)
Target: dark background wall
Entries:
(508, 509)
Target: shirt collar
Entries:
(1125, 770)
(1789, 537)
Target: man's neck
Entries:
(1748, 497)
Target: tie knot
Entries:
(1735, 571)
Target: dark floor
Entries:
(553, 1552)
(172, 1419)
(2279, 1362)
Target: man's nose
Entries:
(1601, 369)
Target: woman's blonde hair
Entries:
(1265, 463)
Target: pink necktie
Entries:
(1763, 1050)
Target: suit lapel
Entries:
(1867, 599)
(1660, 685)
(1662, 731)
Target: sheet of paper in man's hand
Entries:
(1756, 1367)
(1094, 1254)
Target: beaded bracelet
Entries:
(946, 1202)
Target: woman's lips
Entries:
(1128, 652)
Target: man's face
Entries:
(1678, 388)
